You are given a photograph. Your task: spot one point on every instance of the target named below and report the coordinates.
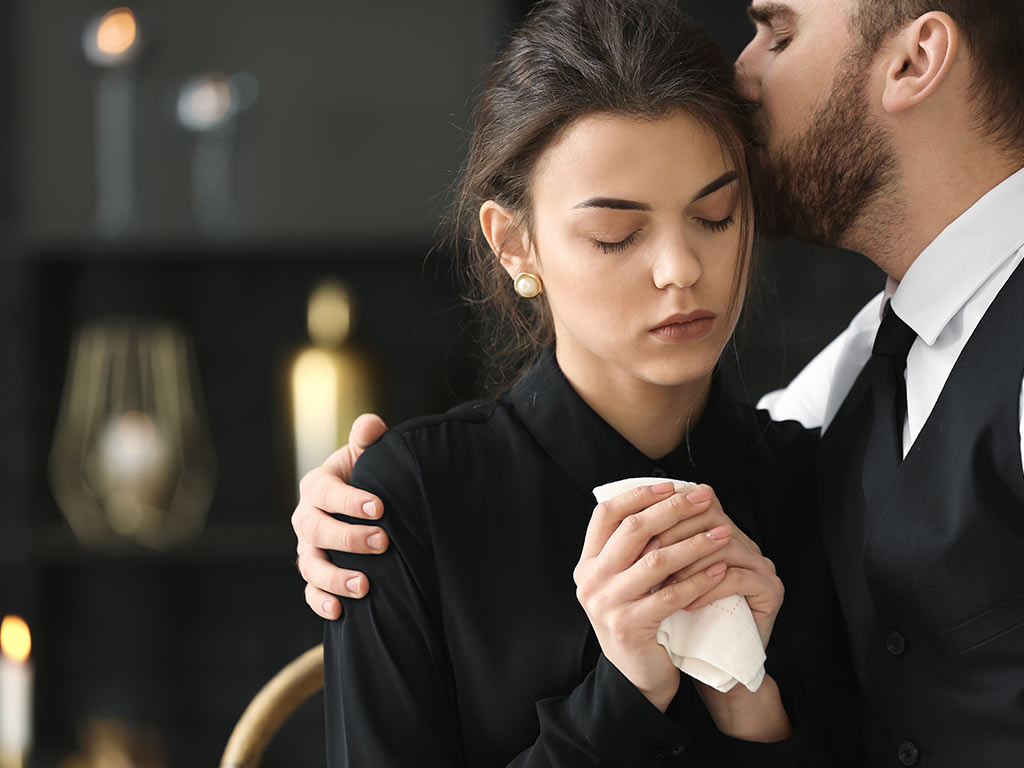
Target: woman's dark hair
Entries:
(571, 58)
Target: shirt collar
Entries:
(592, 453)
(959, 261)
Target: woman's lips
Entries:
(690, 327)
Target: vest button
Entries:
(908, 753)
(658, 472)
(661, 751)
(896, 644)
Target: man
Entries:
(894, 128)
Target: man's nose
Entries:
(748, 80)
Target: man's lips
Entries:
(678, 327)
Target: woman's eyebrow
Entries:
(726, 178)
(613, 203)
(619, 204)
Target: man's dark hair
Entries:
(994, 33)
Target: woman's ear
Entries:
(508, 241)
(921, 57)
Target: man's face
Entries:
(822, 156)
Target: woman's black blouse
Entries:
(471, 648)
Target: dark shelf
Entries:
(236, 543)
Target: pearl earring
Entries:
(528, 285)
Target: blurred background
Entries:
(218, 231)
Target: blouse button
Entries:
(658, 472)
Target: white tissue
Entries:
(717, 644)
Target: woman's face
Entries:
(636, 235)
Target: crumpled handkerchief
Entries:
(717, 644)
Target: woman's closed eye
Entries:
(719, 225)
(618, 245)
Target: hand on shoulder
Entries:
(324, 492)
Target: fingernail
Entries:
(719, 533)
(370, 509)
(699, 496)
(328, 607)
(354, 584)
(715, 570)
(375, 541)
(662, 488)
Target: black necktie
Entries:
(889, 397)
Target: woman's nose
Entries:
(676, 265)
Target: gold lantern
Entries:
(132, 458)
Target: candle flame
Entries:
(15, 639)
(116, 31)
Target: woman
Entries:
(608, 211)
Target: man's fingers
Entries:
(366, 430)
(330, 493)
(320, 530)
(608, 514)
(322, 574)
(324, 605)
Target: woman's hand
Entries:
(324, 491)
(621, 565)
(750, 573)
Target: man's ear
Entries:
(507, 239)
(919, 60)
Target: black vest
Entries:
(931, 580)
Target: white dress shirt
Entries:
(943, 297)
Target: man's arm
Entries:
(325, 491)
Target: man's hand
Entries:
(325, 491)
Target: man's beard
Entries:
(818, 186)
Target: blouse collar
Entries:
(592, 453)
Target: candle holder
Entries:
(331, 380)
(132, 459)
(210, 106)
(112, 43)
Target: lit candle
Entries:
(15, 691)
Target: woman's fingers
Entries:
(608, 515)
(704, 511)
(764, 593)
(635, 532)
(658, 564)
(654, 608)
(735, 555)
